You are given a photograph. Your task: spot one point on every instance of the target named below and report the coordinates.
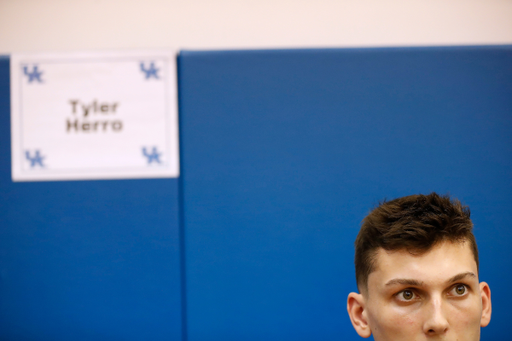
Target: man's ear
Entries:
(358, 315)
(485, 292)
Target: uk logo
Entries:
(35, 160)
(153, 156)
(34, 75)
(151, 71)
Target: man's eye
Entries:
(406, 295)
(459, 289)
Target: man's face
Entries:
(432, 296)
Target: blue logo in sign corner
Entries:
(34, 75)
(152, 71)
(35, 160)
(154, 156)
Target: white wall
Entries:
(67, 25)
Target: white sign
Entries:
(94, 116)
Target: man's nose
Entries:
(436, 322)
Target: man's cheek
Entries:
(393, 322)
(467, 319)
(467, 311)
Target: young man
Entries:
(417, 273)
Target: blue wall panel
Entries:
(86, 260)
(284, 152)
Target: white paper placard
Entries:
(94, 116)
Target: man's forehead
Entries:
(442, 261)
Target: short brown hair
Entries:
(414, 223)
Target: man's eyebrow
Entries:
(404, 281)
(461, 276)
(414, 282)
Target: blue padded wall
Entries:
(284, 152)
(86, 260)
